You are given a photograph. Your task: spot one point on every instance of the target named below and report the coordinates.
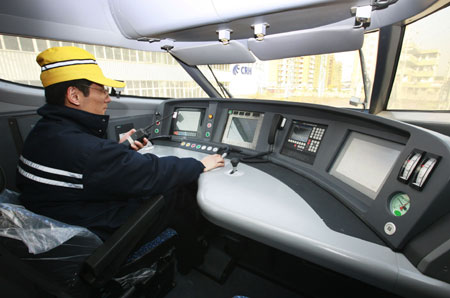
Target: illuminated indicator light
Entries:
(188, 144)
(207, 134)
(198, 146)
(210, 116)
(209, 125)
(156, 130)
(175, 133)
(158, 123)
(230, 112)
(183, 143)
(193, 145)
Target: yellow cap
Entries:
(61, 64)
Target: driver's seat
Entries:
(41, 257)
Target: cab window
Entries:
(331, 79)
(422, 80)
(146, 74)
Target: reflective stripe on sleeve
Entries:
(48, 181)
(50, 170)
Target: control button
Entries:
(203, 147)
(389, 228)
(215, 149)
(209, 125)
(193, 146)
(158, 123)
(209, 148)
(198, 146)
(156, 130)
(183, 143)
(207, 134)
(210, 116)
(188, 144)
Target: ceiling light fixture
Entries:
(260, 31)
(224, 35)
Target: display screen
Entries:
(301, 133)
(187, 122)
(365, 162)
(242, 128)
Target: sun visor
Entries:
(323, 40)
(214, 53)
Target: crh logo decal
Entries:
(244, 70)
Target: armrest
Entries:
(107, 259)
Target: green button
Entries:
(207, 134)
(156, 130)
(198, 146)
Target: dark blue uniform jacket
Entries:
(68, 171)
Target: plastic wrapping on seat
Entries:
(9, 196)
(38, 233)
(137, 277)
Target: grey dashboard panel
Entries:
(340, 124)
(257, 205)
(436, 121)
(330, 130)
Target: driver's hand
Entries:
(212, 161)
(137, 145)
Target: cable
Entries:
(142, 133)
(252, 158)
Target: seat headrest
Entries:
(2, 180)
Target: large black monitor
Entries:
(364, 162)
(243, 128)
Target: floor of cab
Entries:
(237, 266)
(241, 282)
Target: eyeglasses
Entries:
(105, 89)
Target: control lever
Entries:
(223, 151)
(234, 163)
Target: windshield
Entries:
(331, 79)
(146, 74)
(422, 80)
